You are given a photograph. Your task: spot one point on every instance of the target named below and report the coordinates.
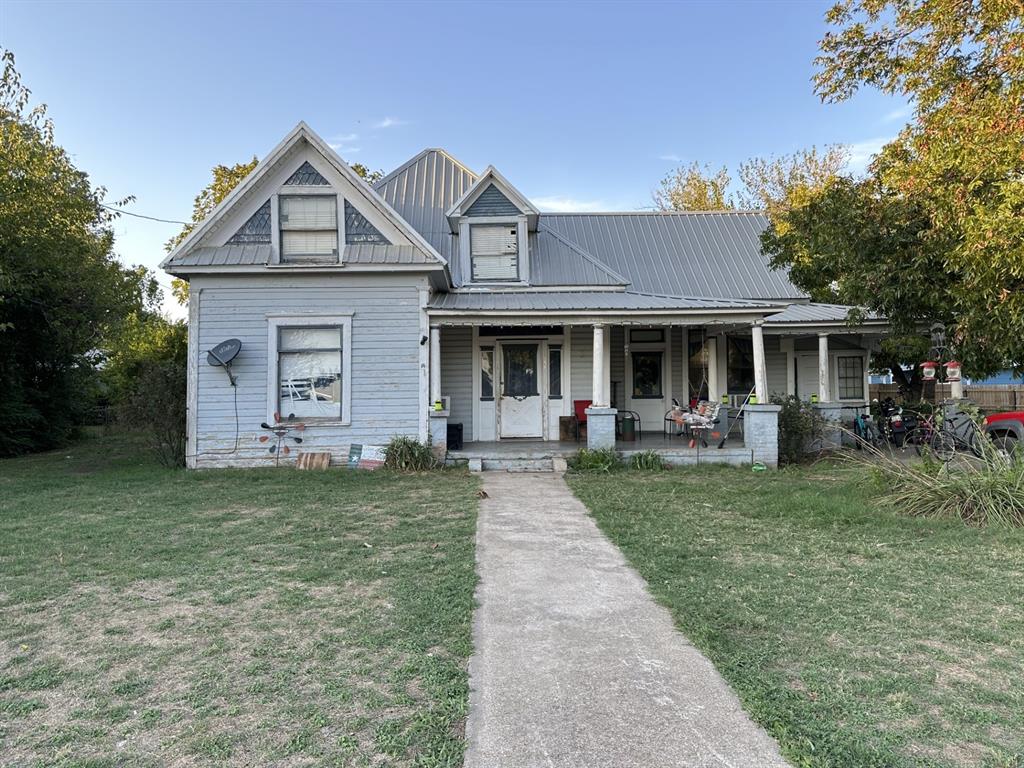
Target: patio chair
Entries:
(579, 413)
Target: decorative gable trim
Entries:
(492, 180)
(301, 132)
(255, 230)
(492, 202)
(308, 176)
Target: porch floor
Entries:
(675, 450)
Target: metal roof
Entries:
(422, 189)
(368, 253)
(226, 255)
(817, 313)
(540, 301)
(682, 254)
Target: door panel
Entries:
(806, 376)
(521, 402)
(646, 387)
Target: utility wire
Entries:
(140, 216)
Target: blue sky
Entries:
(581, 106)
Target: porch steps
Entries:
(518, 465)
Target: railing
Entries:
(990, 398)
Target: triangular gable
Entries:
(307, 175)
(359, 230)
(497, 188)
(302, 132)
(492, 202)
(256, 229)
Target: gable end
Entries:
(492, 202)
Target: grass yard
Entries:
(857, 638)
(152, 617)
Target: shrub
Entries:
(799, 425)
(598, 460)
(980, 491)
(648, 461)
(407, 454)
(157, 405)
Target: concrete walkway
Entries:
(575, 665)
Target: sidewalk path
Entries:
(574, 663)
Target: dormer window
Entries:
(494, 252)
(309, 227)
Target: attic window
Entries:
(494, 252)
(309, 227)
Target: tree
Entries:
(225, 179)
(945, 208)
(775, 184)
(62, 291)
(695, 188)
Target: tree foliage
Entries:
(225, 179)
(944, 208)
(62, 291)
(772, 184)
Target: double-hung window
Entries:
(309, 227)
(310, 359)
(851, 377)
(494, 252)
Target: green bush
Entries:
(648, 461)
(799, 425)
(597, 460)
(407, 454)
(156, 404)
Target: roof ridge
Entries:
(381, 182)
(584, 254)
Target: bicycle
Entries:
(942, 436)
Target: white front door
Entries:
(521, 404)
(806, 376)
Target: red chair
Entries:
(579, 408)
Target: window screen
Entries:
(494, 250)
(647, 375)
(309, 371)
(309, 227)
(851, 377)
(555, 372)
(739, 365)
(486, 373)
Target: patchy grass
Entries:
(855, 636)
(152, 616)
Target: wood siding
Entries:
(385, 360)
(457, 376)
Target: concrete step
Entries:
(516, 465)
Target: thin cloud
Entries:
(345, 138)
(896, 114)
(566, 204)
(671, 158)
(390, 122)
(342, 149)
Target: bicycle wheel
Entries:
(942, 444)
(918, 438)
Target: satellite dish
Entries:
(223, 354)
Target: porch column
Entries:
(600, 417)
(824, 393)
(435, 365)
(438, 426)
(599, 394)
(711, 344)
(760, 368)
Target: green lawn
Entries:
(151, 617)
(857, 638)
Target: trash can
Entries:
(454, 437)
(628, 428)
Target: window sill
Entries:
(321, 422)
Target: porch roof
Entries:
(586, 301)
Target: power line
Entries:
(140, 216)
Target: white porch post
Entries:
(711, 343)
(435, 364)
(760, 368)
(599, 395)
(824, 393)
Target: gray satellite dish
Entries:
(223, 354)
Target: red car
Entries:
(1006, 430)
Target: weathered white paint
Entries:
(384, 354)
(824, 393)
(760, 371)
(714, 388)
(435, 366)
(194, 297)
(598, 395)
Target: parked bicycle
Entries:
(942, 436)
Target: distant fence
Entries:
(989, 398)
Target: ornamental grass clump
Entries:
(594, 460)
(986, 489)
(407, 454)
(648, 461)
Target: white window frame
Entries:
(522, 239)
(339, 224)
(863, 370)
(341, 320)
